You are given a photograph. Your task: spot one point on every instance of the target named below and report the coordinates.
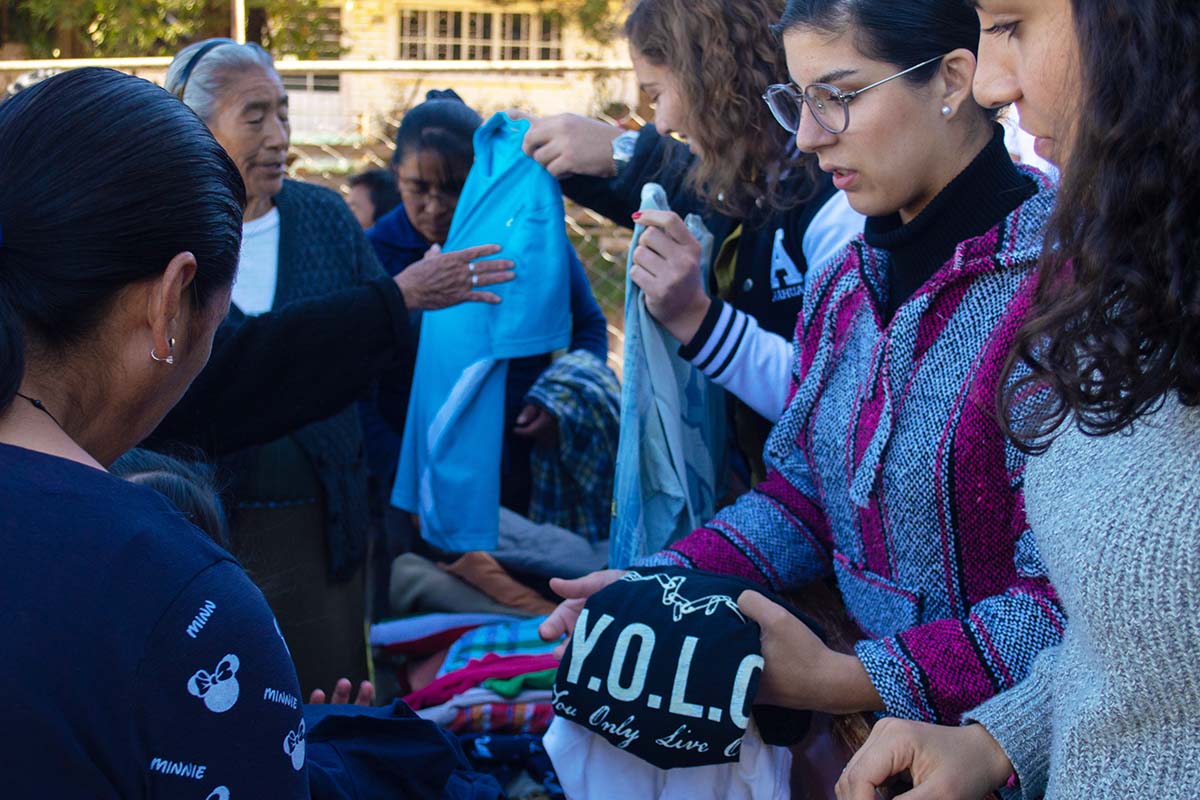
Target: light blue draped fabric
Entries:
(671, 455)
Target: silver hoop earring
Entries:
(170, 359)
(947, 111)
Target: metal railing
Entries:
(285, 65)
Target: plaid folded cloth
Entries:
(503, 718)
(573, 484)
(503, 639)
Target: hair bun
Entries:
(443, 94)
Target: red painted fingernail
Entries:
(637, 215)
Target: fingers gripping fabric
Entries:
(671, 452)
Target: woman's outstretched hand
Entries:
(441, 280)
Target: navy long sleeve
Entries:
(218, 696)
(141, 662)
(589, 327)
(656, 158)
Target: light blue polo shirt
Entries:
(449, 468)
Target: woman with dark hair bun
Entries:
(1107, 389)
(141, 659)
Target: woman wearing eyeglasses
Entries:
(888, 469)
(703, 63)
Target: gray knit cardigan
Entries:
(322, 250)
(1114, 711)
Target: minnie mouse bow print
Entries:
(219, 689)
(293, 745)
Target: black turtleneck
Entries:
(988, 190)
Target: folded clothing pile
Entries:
(494, 680)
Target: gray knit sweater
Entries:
(1114, 711)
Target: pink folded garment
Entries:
(427, 633)
(475, 673)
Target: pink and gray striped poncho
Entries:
(889, 471)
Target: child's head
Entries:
(188, 487)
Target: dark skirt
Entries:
(277, 520)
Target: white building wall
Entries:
(367, 101)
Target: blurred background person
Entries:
(372, 194)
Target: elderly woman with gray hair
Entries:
(314, 322)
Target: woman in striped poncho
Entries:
(889, 470)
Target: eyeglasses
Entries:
(421, 192)
(830, 106)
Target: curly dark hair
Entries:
(724, 55)
(1115, 324)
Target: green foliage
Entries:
(304, 29)
(301, 28)
(597, 18)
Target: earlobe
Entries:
(168, 302)
(958, 76)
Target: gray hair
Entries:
(213, 73)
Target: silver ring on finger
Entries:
(471, 267)
(474, 280)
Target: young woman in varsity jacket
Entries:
(773, 216)
(889, 469)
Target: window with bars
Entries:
(431, 35)
(550, 38)
(311, 82)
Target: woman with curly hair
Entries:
(704, 65)
(1107, 389)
